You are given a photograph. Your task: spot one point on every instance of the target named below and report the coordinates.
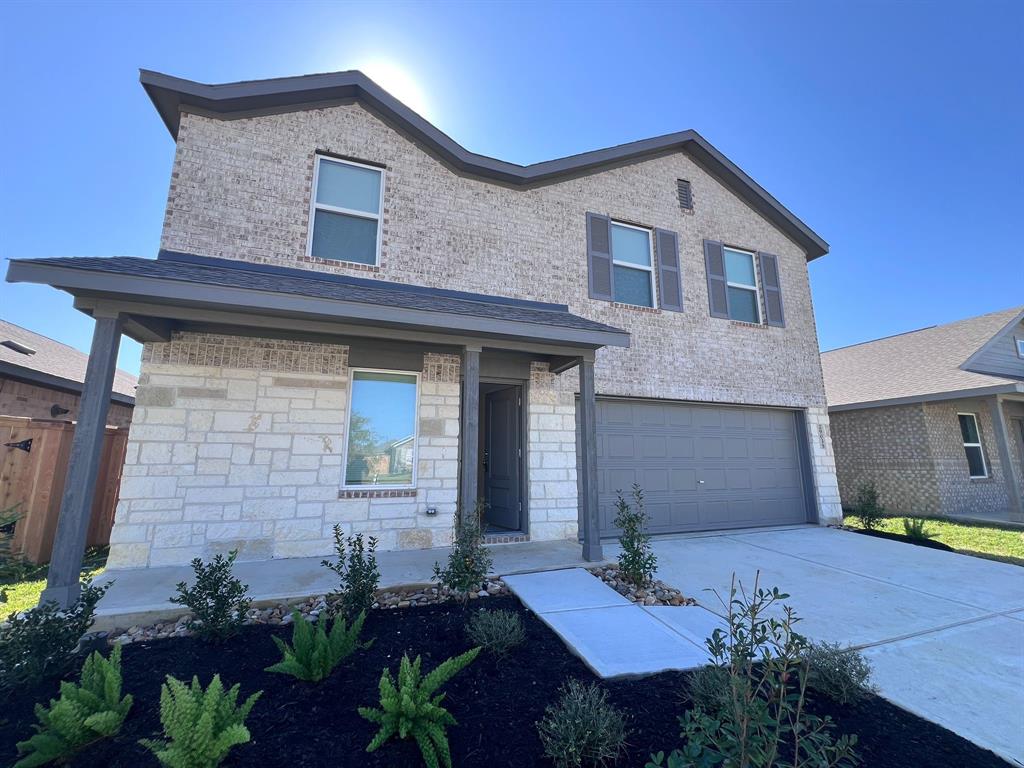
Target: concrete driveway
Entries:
(944, 632)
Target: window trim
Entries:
(348, 423)
(631, 265)
(314, 206)
(966, 445)
(1019, 343)
(743, 286)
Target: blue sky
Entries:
(895, 130)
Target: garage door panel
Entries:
(710, 447)
(680, 447)
(682, 479)
(653, 447)
(737, 448)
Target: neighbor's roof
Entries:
(172, 95)
(914, 366)
(41, 360)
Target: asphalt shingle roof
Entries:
(54, 358)
(914, 364)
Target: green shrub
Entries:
(867, 506)
(582, 729)
(916, 529)
(498, 632)
(357, 569)
(469, 561)
(842, 675)
(637, 561)
(84, 713)
(40, 642)
(412, 708)
(218, 600)
(708, 687)
(763, 722)
(200, 726)
(315, 653)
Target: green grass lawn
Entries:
(24, 586)
(988, 540)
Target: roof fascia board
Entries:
(957, 394)
(996, 338)
(30, 376)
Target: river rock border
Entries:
(657, 593)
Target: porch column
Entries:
(588, 463)
(469, 431)
(1002, 435)
(83, 464)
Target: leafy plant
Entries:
(218, 600)
(708, 687)
(469, 561)
(413, 708)
(40, 643)
(867, 506)
(315, 653)
(637, 561)
(916, 529)
(842, 675)
(582, 729)
(84, 713)
(763, 721)
(357, 569)
(200, 726)
(497, 632)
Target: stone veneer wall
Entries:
(19, 398)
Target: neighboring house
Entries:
(549, 334)
(934, 418)
(42, 378)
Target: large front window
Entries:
(345, 217)
(972, 445)
(631, 262)
(741, 282)
(381, 443)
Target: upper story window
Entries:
(741, 283)
(380, 447)
(972, 445)
(345, 211)
(633, 271)
(1020, 347)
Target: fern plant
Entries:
(200, 726)
(314, 653)
(84, 713)
(413, 708)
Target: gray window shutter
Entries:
(668, 270)
(599, 256)
(718, 295)
(771, 289)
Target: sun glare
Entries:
(399, 83)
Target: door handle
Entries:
(701, 482)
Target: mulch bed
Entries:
(497, 702)
(930, 543)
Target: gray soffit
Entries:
(184, 281)
(172, 95)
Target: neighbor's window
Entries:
(345, 216)
(741, 282)
(1020, 347)
(631, 262)
(381, 443)
(972, 445)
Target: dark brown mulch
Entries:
(497, 702)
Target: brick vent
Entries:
(506, 538)
(381, 493)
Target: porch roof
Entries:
(178, 291)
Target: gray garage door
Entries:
(702, 467)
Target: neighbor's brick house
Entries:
(640, 314)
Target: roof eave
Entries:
(958, 394)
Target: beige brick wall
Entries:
(18, 398)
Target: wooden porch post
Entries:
(588, 513)
(469, 431)
(83, 464)
(1002, 435)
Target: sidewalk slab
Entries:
(566, 590)
(692, 622)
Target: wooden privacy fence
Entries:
(33, 465)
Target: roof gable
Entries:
(998, 356)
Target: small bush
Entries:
(842, 675)
(200, 726)
(637, 561)
(357, 569)
(582, 729)
(867, 506)
(218, 600)
(469, 561)
(84, 713)
(412, 708)
(498, 632)
(917, 529)
(315, 653)
(708, 688)
(40, 642)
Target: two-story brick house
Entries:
(355, 320)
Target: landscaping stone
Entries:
(657, 593)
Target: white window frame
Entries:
(639, 267)
(981, 450)
(348, 423)
(743, 286)
(314, 206)
(1019, 343)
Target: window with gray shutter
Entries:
(718, 295)
(669, 277)
(685, 194)
(599, 256)
(771, 289)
